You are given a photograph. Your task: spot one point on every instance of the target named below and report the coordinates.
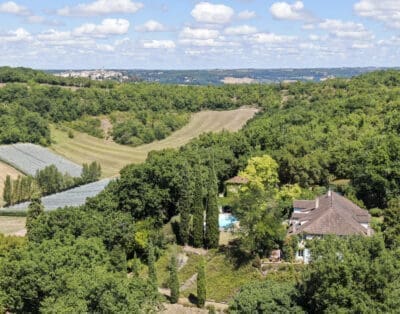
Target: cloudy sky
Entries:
(186, 34)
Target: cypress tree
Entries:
(184, 207)
(173, 279)
(198, 211)
(35, 209)
(14, 195)
(118, 258)
(7, 193)
(201, 284)
(151, 260)
(212, 212)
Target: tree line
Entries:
(45, 182)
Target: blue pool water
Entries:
(226, 220)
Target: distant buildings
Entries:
(97, 75)
(328, 214)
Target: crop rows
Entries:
(73, 197)
(29, 158)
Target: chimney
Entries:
(317, 202)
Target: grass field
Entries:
(4, 171)
(12, 225)
(84, 148)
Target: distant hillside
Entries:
(218, 77)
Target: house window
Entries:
(300, 253)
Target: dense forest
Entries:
(153, 110)
(342, 134)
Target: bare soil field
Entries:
(4, 171)
(12, 225)
(113, 157)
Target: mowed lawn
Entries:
(113, 157)
(12, 225)
(4, 171)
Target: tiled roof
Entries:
(331, 214)
(303, 204)
(237, 180)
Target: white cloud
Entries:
(199, 33)
(349, 30)
(240, 30)
(151, 26)
(362, 45)
(206, 12)
(386, 11)
(101, 7)
(159, 44)
(105, 47)
(35, 19)
(18, 35)
(11, 7)
(211, 42)
(246, 15)
(308, 26)
(287, 11)
(52, 35)
(106, 28)
(271, 38)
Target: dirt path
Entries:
(12, 226)
(107, 126)
(187, 306)
(188, 283)
(198, 251)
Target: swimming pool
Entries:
(226, 220)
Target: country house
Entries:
(328, 214)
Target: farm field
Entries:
(12, 225)
(28, 158)
(74, 197)
(112, 157)
(4, 171)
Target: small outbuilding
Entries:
(234, 184)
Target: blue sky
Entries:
(190, 34)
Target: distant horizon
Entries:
(214, 69)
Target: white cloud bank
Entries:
(101, 7)
(386, 11)
(159, 44)
(150, 26)
(106, 28)
(240, 30)
(11, 7)
(287, 11)
(205, 12)
(349, 30)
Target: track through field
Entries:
(113, 157)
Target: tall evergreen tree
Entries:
(7, 193)
(173, 279)
(201, 284)
(118, 259)
(35, 209)
(184, 206)
(212, 212)
(198, 210)
(151, 260)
